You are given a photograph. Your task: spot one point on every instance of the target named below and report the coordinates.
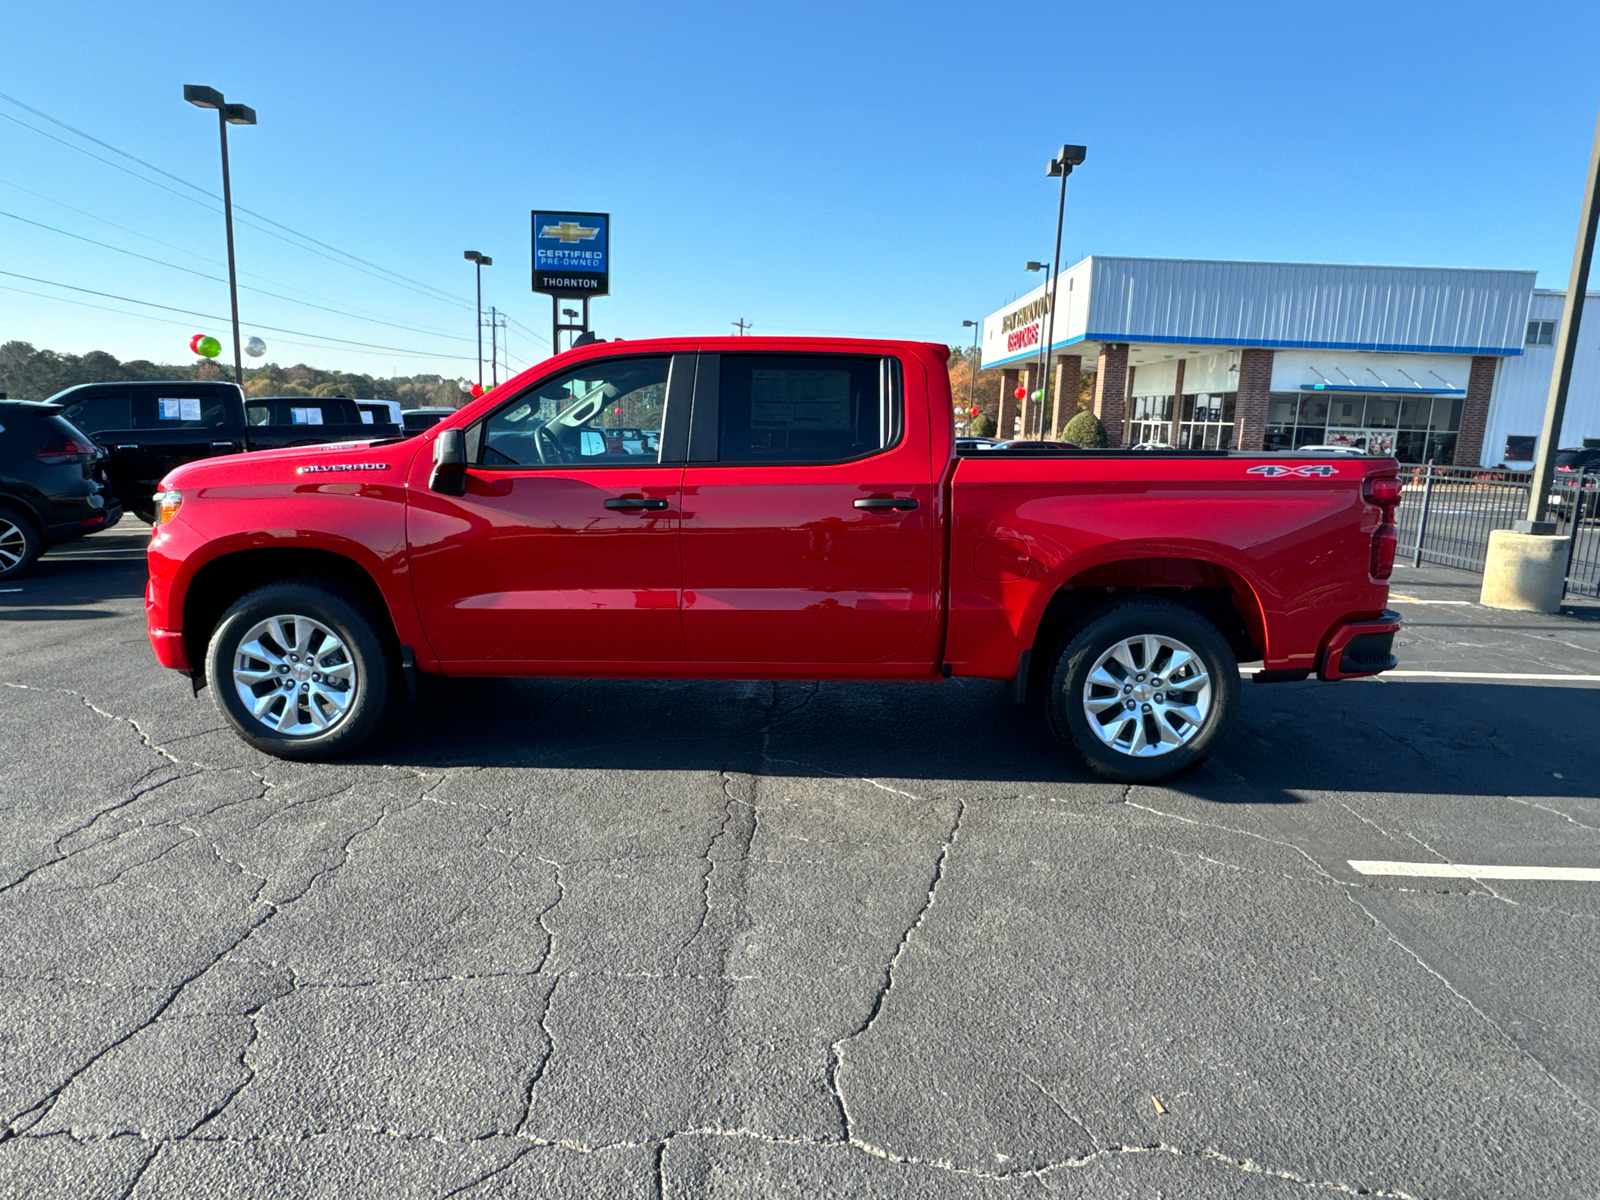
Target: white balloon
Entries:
(255, 347)
(465, 387)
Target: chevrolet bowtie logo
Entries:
(570, 231)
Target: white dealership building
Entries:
(1433, 364)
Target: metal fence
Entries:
(1447, 513)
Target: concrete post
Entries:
(1006, 416)
(1525, 571)
(1111, 389)
(1176, 416)
(1069, 378)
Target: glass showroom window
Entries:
(1206, 421)
(1151, 421)
(1415, 429)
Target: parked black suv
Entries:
(153, 428)
(52, 484)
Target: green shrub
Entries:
(1085, 430)
(981, 425)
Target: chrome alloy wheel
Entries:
(294, 675)
(1147, 695)
(13, 543)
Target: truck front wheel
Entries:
(1144, 691)
(299, 671)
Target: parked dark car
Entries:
(52, 484)
(420, 420)
(153, 428)
(1576, 483)
(310, 416)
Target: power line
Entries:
(171, 245)
(403, 280)
(213, 317)
(181, 324)
(242, 287)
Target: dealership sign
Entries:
(1023, 327)
(572, 253)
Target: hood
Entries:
(295, 463)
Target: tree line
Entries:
(27, 373)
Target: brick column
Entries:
(1175, 418)
(1475, 411)
(1007, 413)
(1069, 378)
(1028, 409)
(1250, 405)
(1111, 389)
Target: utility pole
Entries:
(480, 261)
(494, 346)
(972, 367)
(741, 325)
(1555, 409)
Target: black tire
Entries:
(358, 642)
(1133, 618)
(20, 543)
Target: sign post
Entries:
(571, 260)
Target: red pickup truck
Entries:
(773, 508)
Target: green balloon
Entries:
(209, 347)
(1038, 395)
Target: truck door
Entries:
(810, 518)
(564, 548)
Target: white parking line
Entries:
(1434, 870)
(1413, 600)
(10, 589)
(1249, 671)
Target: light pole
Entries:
(1061, 165)
(480, 261)
(1555, 409)
(227, 114)
(972, 367)
(1044, 348)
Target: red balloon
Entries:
(477, 390)
(973, 413)
(1021, 393)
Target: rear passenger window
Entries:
(105, 410)
(173, 410)
(804, 409)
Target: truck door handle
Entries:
(222, 445)
(629, 502)
(901, 503)
(126, 446)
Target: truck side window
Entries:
(172, 409)
(607, 413)
(800, 409)
(103, 410)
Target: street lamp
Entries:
(227, 114)
(1061, 165)
(1044, 348)
(972, 368)
(481, 261)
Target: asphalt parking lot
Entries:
(599, 939)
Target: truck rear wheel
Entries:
(1144, 691)
(299, 671)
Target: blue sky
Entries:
(828, 168)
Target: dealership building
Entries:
(1429, 364)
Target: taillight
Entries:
(1383, 490)
(1385, 541)
(64, 449)
(167, 504)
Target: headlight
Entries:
(167, 504)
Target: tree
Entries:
(1086, 430)
(981, 425)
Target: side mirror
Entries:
(449, 475)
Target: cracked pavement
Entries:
(613, 939)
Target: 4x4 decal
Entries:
(1273, 471)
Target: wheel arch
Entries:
(224, 579)
(1214, 590)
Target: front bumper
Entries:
(1360, 648)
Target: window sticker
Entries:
(800, 400)
(591, 442)
(305, 416)
(366, 417)
(185, 409)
